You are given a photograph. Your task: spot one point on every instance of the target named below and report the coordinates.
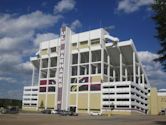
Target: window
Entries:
(73, 80)
(34, 89)
(84, 57)
(122, 106)
(52, 82)
(74, 70)
(74, 45)
(111, 93)
(26, 104)
(105, 56)
(95, 41)
(95, 87)
(122, 99)
(108, 99)
(33, 99)
(52, 73)
(44, 73)
(42, 89)
(51, 89)
(53, 49)
(73, 88)
(96, 55)
(33, 104)
(84, 80)
(44, 63)
(84, 44)
(27, 89)
(105, 69)
(74, 58)
(108, 87)
(84, 69)
(123, 93)
(26, 99)
(34, 94)
(53, 62)
(125, 86)
(83, 88)
(96, 68)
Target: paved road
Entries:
(41, 119)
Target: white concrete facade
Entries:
(30, 97)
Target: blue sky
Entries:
(24, 24)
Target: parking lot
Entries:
(45, 119)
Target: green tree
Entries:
(159, 8)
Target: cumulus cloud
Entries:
(64, 6)
(153, 69)
(75, 25)
(44, 37)
(129, 6)
(17, 34)
(14, 25)
(8, 79)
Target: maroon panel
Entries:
(43, 82)
(95, 87)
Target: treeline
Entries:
(10, 102)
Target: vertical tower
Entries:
(63, 69)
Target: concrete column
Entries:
(33, 75)
(114, 75)
(143, 79)
(78, 73)
(108, 68)
(139, 76)
(126, 75)
(134, 68)
(121, 68)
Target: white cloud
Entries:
(64, 6)
(17, 34)
(8, 79)
(75, 25)
(14, 25)
(44, 37)
(153, 69)
(24, 67)
(8, 43)
(129, 6)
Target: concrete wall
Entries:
(156, 102)
(51, 100)
(42, 99)
(95, 100)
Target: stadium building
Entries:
(86, 72)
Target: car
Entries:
(67, 113)
(95, 113)
(46, 111)
(162, 112)
(53, 112)
(9, 110)
(13, 110)
(73, 114)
